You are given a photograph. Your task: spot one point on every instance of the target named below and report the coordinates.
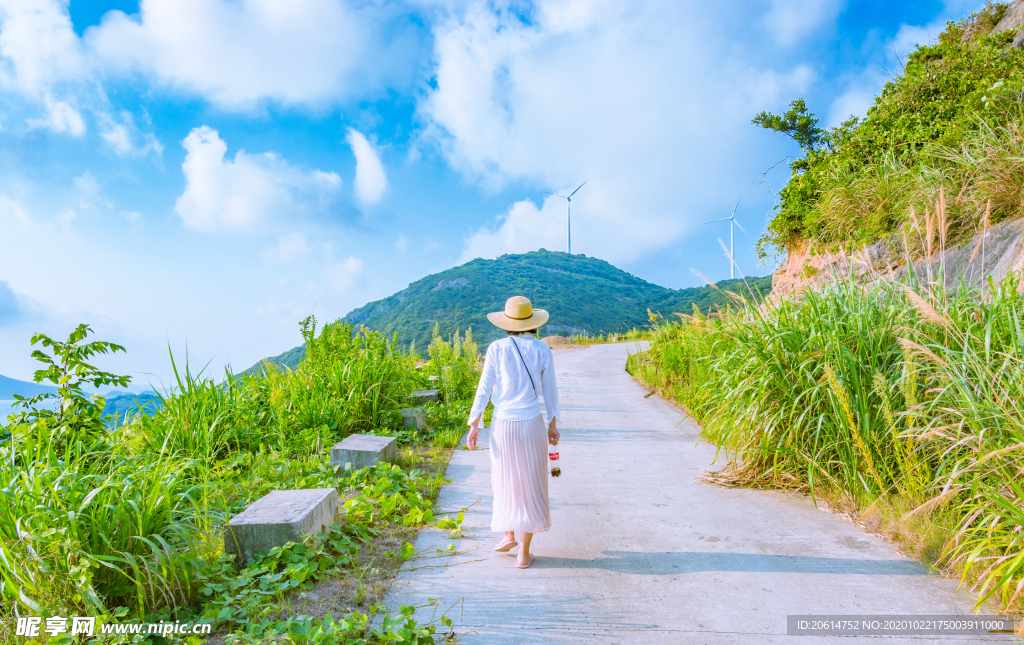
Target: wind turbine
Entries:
(568, 214)
(732, 237)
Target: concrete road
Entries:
(641, 552)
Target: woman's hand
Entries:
(552, 433)
(474, 432)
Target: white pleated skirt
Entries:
(519, 476)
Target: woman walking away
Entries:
(518, 371)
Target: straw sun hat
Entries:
(519, 315)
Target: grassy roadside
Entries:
(125, 523)
(898, 403)
(601, 339)
(950, 121)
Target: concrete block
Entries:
(363, 450)
(424, 396)
(414, 418)
(277, 518)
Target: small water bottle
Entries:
(556, 469)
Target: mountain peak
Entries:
(582, 295)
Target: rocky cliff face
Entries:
(1013, 19)
(995, 253)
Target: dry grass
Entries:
(953, 188)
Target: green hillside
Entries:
(583, 295)
(945, 137)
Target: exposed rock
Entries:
(451, 284)
(566, 328)
(557, 341)
(1013, 19)
(1001, 253)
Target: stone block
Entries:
(420, 397)
(414, 418)
(279, 517)
(362, 450)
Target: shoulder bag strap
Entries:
(516, 345)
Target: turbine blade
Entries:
(577, 188)
(554, 194)
(718, 220)
(741, 228)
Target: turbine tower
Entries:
(568, 214)
(732, 237)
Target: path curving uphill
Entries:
(641, 552)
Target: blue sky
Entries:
(200, 175)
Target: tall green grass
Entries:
(881, 393)
(101, 520)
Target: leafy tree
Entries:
(797, 123)
(73, 415)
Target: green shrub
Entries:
(859, 186)
(886, 392)
(126, 520)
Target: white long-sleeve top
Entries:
(505, 382)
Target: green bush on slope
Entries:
(934, 126)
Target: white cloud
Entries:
(854, 102)
(346, 276)
(289, 247)
(236, 53)
(370, 178)
(38, 45)
(124, 138)
(249, 190)
(60, 117)
(39, 51)
(402, 243)
(13, 213)
(647, 101)
(523, 228)
(9, 308)
(131, 216)
(88, 192)
(790, 20)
